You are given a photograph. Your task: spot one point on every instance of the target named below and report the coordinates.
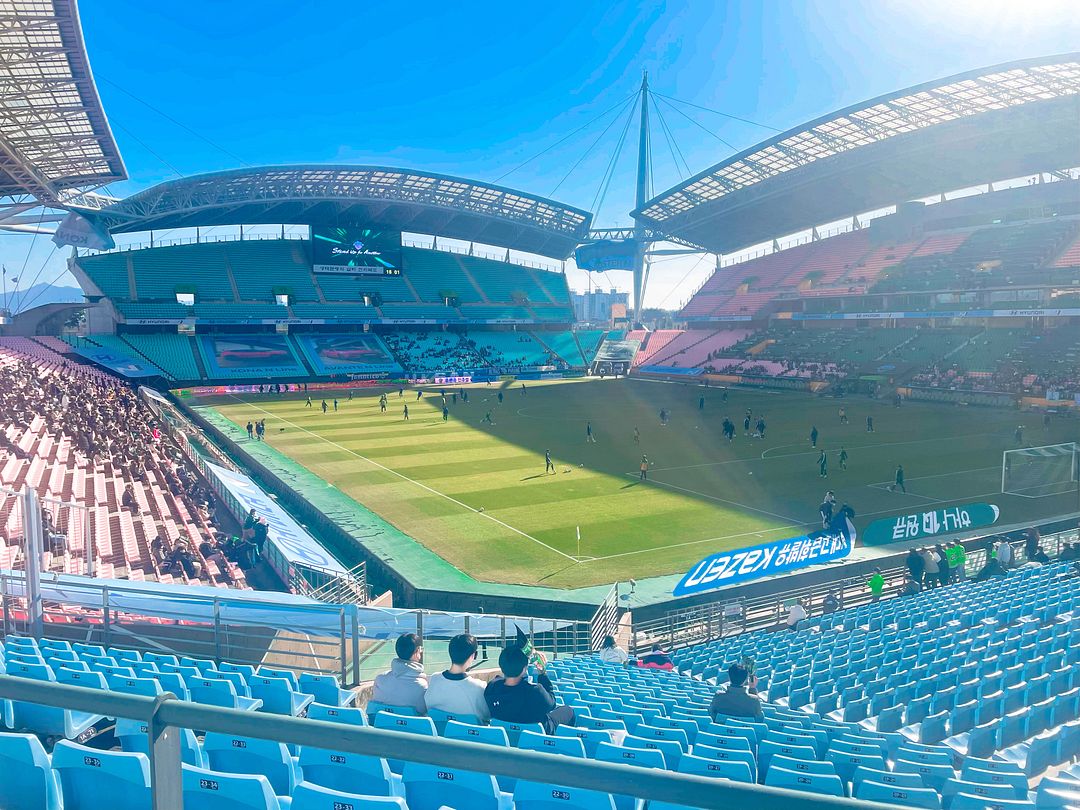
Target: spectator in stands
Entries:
(831, 603)
(930, 568)
(993, 566)
(1005, 553)
(1039, 556)
(739, 699)
(453, 690)
(404, 684)
(514, 699)
(877, 585)
(127, 500)
(249, 524)
(1070, 552)
(957, 558)
(612, 653)
(796, 615)
(916, 565)
(1031, 542)
(211, 552)
(657, 659)
(262, 532)
(942, 563)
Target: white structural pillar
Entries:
(35, 546)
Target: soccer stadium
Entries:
(330, 492)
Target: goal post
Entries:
(1035, 472)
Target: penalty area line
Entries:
(404, 477)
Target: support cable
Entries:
(565, 138)
(717, 112)
(180, 124)
(699, 125)
(631, 104)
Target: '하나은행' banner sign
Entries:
(930, 524)
(729, 567)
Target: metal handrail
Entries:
(165, 712)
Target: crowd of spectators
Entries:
(111, 428)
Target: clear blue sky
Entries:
(474, 88)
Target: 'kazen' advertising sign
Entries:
(741, 565)
(930, 524)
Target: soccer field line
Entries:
(406, 478)
(882, 484)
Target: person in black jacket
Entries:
(916, 565)
(515, 699)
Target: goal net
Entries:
(1034, 472)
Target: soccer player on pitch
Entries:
(549, 465)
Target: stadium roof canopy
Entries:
(369, 196)
(54, 136)
(991, 124)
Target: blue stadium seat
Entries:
(544, 796)
(220, 693)
(893, 794)
(89, 776)
(802, 765)
(720, 768)
(213, 790)
(429, 787)
(567, 746)
(326, 689)
(410, 724)
(348, 715)
(29, 782)
(591, 738)
(120, 655)
(514, 730)
(884, 777)
(131, 735)
(42, 719)
(955, 786)
(374, 707)
(1016, 781)
(74, 677)
(933, 776)
(727, 755)
(768, 749)
(278, 696)
(846, 763)
(340, 770)
(639, 757)
(671, 749)
(313, 797)
(489, 735)
(967, 801)
(824, 784)
(146, 687)
(235, 754)
(441, 718)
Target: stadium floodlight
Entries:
(1036, 472)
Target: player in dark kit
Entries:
(869, 424)
(823, 465)
(813, 436)
(746, 424)
(898, 480)
(405, 415)
(761, 427)
(549, 465)
(843, 458)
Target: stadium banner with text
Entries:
(344, 354)
(355, 251)
(618, 351)
(119, 363)
(781, 557)
(961, 313)
(249, 356)
(607, 254)
(922, 525)
(294, 544)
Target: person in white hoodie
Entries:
(404, 684)
(453, 690)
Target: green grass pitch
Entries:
(479, 497)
